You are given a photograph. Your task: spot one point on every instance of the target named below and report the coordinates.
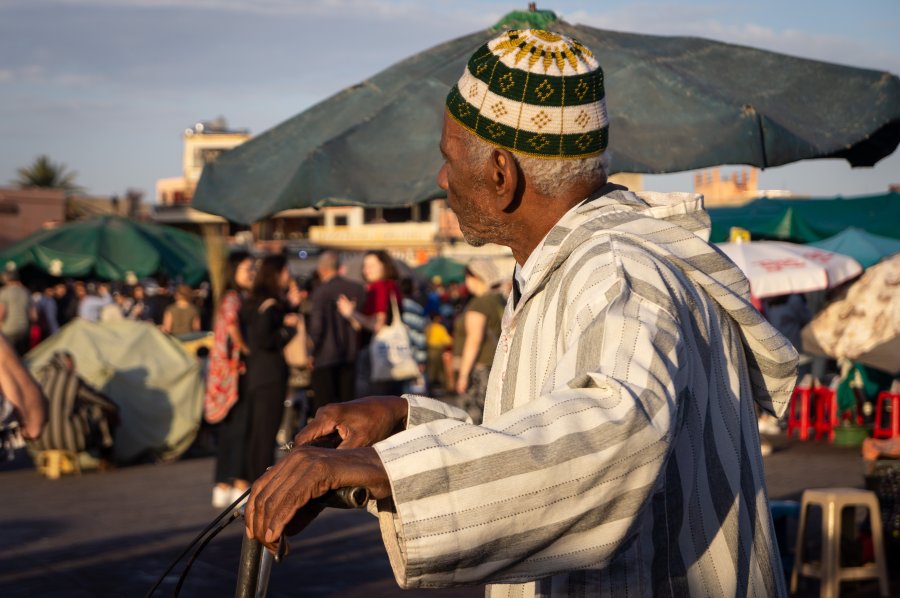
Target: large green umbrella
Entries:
(111, 248)
(675, 103)
(864, 247)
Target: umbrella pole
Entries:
(216, 258)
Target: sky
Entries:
(107, 87)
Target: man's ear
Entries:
(504, 178)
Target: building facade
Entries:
(24, 211)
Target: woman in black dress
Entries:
(268, 327)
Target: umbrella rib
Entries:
(762, 136)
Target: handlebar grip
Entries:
(344, 498)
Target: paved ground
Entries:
(111, 534)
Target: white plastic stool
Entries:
(830, 572)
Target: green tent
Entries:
(111, 248)
(675, 104)
(154, 381)
(809, 220)
(864, 247)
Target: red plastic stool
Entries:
(826, 412)
(893, 401)
(799, 412)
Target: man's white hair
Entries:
(546, 175)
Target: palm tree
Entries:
(45, 173)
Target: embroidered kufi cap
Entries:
(536, 93)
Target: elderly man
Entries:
(619, 452)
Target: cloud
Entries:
(711, 22)
(381, 9)
(36, 74)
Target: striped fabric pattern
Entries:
(77, 416)
(619, 454)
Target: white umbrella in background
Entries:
(780, 268)
(863, 325)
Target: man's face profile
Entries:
(466, 188)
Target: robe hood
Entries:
(675, 227)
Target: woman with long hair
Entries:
(226, 403)
(380, 273)
(268, 326)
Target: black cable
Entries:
(199, 537)
(234, 515)
(343, 498)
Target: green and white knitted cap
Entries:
(536, 93)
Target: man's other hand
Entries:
(362, 422)
(278, 503)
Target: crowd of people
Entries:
(268, 326)
(34, 312)
(331, 320)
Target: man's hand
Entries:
(278, 503)
(345, 306)
(362, 422)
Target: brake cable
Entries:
(342, 498)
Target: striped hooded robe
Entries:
(619, 453)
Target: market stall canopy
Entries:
(863, 325)
(864, 247)
(675, 103)
(808, 220)
(776, 268)
(154, 381)
(110, 248)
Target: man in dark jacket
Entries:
(335, 343)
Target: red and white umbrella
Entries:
(779, 268)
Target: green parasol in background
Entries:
(864, 247)
(111, 248)
(449, 270)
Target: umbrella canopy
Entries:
(864, 325)
(111, 248)
(675, 103)
(154, 381)
(448, 270)
(778, 268)
(865, 248)
(808, 220)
